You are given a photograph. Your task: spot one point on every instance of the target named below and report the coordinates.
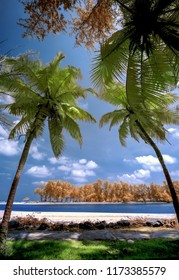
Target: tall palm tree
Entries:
(41, 94)
(144, 122)
(146, 20)
(149, 28)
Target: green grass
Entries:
(93, 250)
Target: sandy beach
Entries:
(77, 217)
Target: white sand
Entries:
(68, 217)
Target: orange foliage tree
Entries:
(90, 20)
(105, 191)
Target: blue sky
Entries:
(101, 155)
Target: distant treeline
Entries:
(104, 191)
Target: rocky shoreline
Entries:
(32, 223)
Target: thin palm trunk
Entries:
(165, 170)
(9, 204)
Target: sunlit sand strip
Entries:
(77, 217)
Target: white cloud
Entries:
(35, 154)
(83, 104)
(61, 160)
(78, 171)
(175, 173)
(39, 171)
(138, 177)
(82, 173)
(91, 164)
(80, 180)
(150, 162)
(171, 129)
(64, 168)
(82, 161)
(174, 132)
(9, 147)
(6, 99)
(3, 132)
(39, 183)
(170, 160)
(141, 173)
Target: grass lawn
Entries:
(94, 250)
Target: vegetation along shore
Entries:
(104, 191)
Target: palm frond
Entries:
(56, 136)
(79, 114)
(20, 128)
(106, 118)
(114, 93)
(73, 129)
(133, 85)
(27, 68)
(111, 63)
(123, 132)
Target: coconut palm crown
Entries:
(152, 117)
(145, 20)
(41, 94)
(45, 93)
(150, 30)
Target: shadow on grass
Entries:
(94, 250)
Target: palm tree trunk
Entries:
(165, 170)
(9, 204)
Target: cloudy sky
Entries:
(101, 155)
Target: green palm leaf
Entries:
(56, 136)
(123, 132)
(73, 128)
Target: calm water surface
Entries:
(153, 208)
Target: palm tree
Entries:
(146, 20)
(149, 28)
(41, 94)
(141, 54)
(144, 122)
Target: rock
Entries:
(43, 226)
(149, 224)
(112, 225)
(154, 224)
(59, 227)
(14, 224)
(121, 239)
(73, 226)
(169, 225)
(123, 223)
(100, 225)
(160, 222)
(86, 225)
(130, 241)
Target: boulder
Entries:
(100, 225)
(112, 225)
(14, 224)
(123, 223)
(43, 226)
(154, 223)
(130, 241)
(86, 225)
